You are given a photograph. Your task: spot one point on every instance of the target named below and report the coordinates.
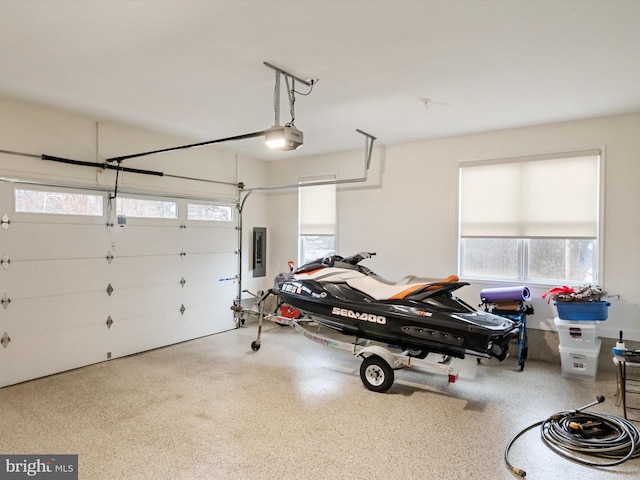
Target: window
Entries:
(210, 213)
(316, 219)
(57, 203)
(137, 207)
(533, 219)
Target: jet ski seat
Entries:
(383, 290)
(413, 279)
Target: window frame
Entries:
(150, 198)
(523, 246)
(207, 220)
(61, 217)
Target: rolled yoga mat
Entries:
(505, 294)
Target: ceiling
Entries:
(402, 71)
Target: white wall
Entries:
(407, 212)
(255, 213)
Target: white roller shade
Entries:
(531, 197)
(317, 208)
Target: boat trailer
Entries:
(379, 362)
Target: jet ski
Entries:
(413, 314)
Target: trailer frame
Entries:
(379, 362)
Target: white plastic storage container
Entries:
(579, 363)
(577, 335)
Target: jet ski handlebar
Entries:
(351, 260)
(358, 257)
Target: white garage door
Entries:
(76, 290)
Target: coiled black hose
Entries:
(577, 436)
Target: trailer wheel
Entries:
(376, 374)
(255, 346)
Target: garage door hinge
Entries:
(109, 321)
(5, 301)
(109, 258)
(109, 289)
(5, 340)
(5, 261)
(183, 253)
(5, 221)
(182, 282)
(182, 309)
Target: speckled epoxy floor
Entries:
(214, 409)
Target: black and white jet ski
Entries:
(415, 315)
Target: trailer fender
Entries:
(383, 353)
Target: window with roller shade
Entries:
(316, 219)
(534, 219)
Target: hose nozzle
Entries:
(599, 399)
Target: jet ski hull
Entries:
(443, 324)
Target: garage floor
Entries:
(214, 409)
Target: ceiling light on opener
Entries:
(283, 138)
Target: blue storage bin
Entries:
(582, 310)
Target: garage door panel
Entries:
(138, 271)
(34, 356)
(207, 319)
(38, 241)
(45, 315)
(207, 292)
(152, 330)
(146, 332)
(213, 266)
(134, 302)
(32, 279)
(133, 240)
(210, 240)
